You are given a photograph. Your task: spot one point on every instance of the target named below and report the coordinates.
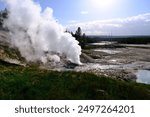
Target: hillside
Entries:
(8, 53)
(21, 80)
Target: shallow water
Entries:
(107, 51)
(143, 76)
(102, 43)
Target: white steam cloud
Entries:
(35, 32)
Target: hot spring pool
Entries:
(143, 76)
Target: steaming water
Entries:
(35, 32)
(143, 76)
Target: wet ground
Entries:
(125, 62)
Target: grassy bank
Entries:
(30, 83)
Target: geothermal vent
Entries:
(37, 35)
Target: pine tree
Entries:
(3, 16)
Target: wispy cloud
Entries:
(84, 12)
(135, 25)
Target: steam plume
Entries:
(35, 32)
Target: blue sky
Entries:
(75, 12)
(70, 10)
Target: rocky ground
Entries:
(121, 63)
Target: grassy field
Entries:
(18, 82)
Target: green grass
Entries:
(31, 83)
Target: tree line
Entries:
(80, 37)
(3, 16)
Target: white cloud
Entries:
(72, 21)
(84, 12)
(136, 25)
